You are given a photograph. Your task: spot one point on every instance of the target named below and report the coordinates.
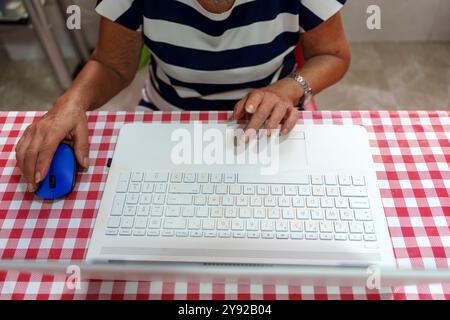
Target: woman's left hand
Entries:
(271, 106)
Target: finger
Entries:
(254, 99)
(29, 162)
(259, 117)
(81, 144)
(290, 122)
(278, 113)
(21, 147)
(238, 112)
(47, 151)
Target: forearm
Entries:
(94, 86)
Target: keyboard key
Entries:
(167, 233)
(316, 180)
(228, 200)
(229, 178)
(358, 181)
(143, 210)
(173, 211)
(312, 202)
(200, 200)
(184, 188)
(281, 226)
(276, 189)
(154, 223)
(195, 234)
(160, 187)
(182, 233)
(351, 191)
(317, 214)
(156, 177)
(147, 187)
(303, 214)
(288, 213)
(282, 235)
(326, 203)
(188, 211)
(370, 237)
(153, 233)
(326, 226)
(216, 178)
(340, 237)
(259, 213)
(345, 180)
(122, 186)
(214, 200)
(223, 224)
(273, 213)
(237, 224)
(270, 201)
(267, 235)
(132, 198)
(267, 225)
(311, 226)
(359, 203)
(249, 189)
(216, 212)
(140, 223)
(145, 198)
(203, 178)
(318, 191)
(221, 189)
(134, 187)
(326, 236)
(355, 237)
(340, 227)
(194, 224)
(209, 224)
(330, 180)
(332, 191)
(253, 235)
(263, 189)
(112, 232)
(252, 225)
(156, 211)
(296, 226)
(202, 212)
(290, 190)
(238, 234)
(346, 214)
(298, 202)
(113, 222)
(189, 177)
(245, 212)
(224, 234)
(242, 201)
(126, 222)
(118, 203)
(356, 227)
(137, 176)
(159, 198)
(297, 236)
(125, 232)
(341, 203)
(129, 210)
(179, 199)
(332, 214)
(210, 234)
(176, 177)
(369, 227)
(363, 215)
(235, 189)
(256, 201)
(311, 236)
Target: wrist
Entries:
(69, 102)
(291, 90)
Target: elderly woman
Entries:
(206, 55)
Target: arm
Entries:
(327, 58)
(110, 69)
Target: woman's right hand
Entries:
(37, 146)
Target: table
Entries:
(411, 151)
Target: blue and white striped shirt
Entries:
(207, 61)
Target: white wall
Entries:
(401, 20)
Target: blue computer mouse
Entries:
(60, 179)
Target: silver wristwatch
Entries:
(308, 94)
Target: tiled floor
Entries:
(382, 76)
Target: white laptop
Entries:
(194, 193)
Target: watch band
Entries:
(308, 94)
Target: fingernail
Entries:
(283, 132)
(37, 177)
(30, 187)
(269, 132)
(250, 108)
(86, 162)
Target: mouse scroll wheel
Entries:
(52, 182)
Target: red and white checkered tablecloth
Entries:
(411, 151)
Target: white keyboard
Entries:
(211, 205)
